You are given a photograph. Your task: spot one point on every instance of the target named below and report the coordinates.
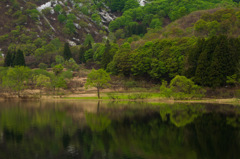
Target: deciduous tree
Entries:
(99, 79)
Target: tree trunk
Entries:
(98, 93)
(40, 93)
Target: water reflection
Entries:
(89, 130)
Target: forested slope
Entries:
(152, 40)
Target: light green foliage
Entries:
(88, 55)
(155, 23)
(67, 74)
(164, 90)
(16, 77)
(182, 84)
(58, 8)
(233, 80)
(39, 52)
(58, 69)
(70, 27)
(88, 39)
(201, 26)
(84, 10)
(184, 87)
(43, 66)
(71, 17)
(96, 18)
(4, 37)
(181, 88)
(82, 24)
(152, 13)
(39, 42)
(98, 52)
(3, 72)
(58, 82)
(42, 81)
(71, 64)
(99, 79)
(36, 72)
(131, 4)
(33, 13)
(57, 43)
(59, 59)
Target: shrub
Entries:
(43, 66)
(181, 86)
(112, 96)
(71, 64)
(61, 18)
(164, 90)
(129, 84)
(138, 96)
(58, 69)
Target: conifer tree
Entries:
(221, 64)
(8, 59)
(13, 57)
(204, 62)
(89, 46)
(234, 49)
(81, 54)
(67, 52)
(192, 58)
(106, 57)
(19, 59)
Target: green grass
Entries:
(122, 96)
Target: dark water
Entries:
(92, 130)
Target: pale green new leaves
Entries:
(42, 80)
(16, 77)
(97, 78)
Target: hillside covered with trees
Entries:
(151, 40)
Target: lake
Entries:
(118, 130)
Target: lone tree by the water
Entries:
(99, 79)
(67, 52)
(19, 59)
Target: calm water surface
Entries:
(92, 130)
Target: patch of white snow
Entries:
(44, 6)
(71, 43)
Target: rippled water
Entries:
(123, 130)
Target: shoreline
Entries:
(233, 101)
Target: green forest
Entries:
(154, 42)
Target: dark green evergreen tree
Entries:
(106, 57)
(234, 50)
(81, 54)
(19, 59)
(13, 57)
(67, 52)
(89, 46)
(221, 64)
(204, 62)
(8, 59)
(192, 58)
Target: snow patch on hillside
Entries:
(142, 2)
(44, 6)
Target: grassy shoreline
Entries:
(126, 96)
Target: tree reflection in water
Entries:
(119, 130)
